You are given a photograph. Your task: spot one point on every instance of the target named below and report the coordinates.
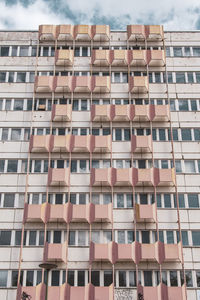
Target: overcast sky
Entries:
(28, 14)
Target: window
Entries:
(70, 278)
(18, 235)
(29, 278)
(15, 134)
(169, 76)
(187, 51)
(23, 51)
(197, 134)
(167, 200)
(186, 134)
(188, 275)
(173, 278)
(12, 166)
(18, 105)
(189, 166)
(2, 76)
(108, 278)
(177, 51)
(21, 77)
(122, 278)
(4, 50)
(196, 51)
(180, 77)
(3, 278)
(145, 237)
(183, 105)
(14, 51)
(5, 237)
(198, 278)
(196, 238)
(193, 201)
(9, 200)
(32, 238)
(170, 237)
(95, 278)
(81, 278)
(178, 166)
(148, 278)
(55, 278)
(190, 77)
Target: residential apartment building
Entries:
(99, 163)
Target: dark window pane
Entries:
(186, 134)
(193, 201)
(2, 76)
(70, 278)
(148, 278)
(29, 278)
(14, 278)
(81, 278)
(108, 278)
(95, 278)
(173, 278)
(4, 51)
(55, 278)
(167, 200)
(18, 235)
(57, 237)
(180, 77)
(32, 238)
(9, 200)
(170, 237)
(145, 237)
(5, 238)
(21, 77)
(122, 278)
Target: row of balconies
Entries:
(117, 177)
(86, 84)
(113, 252)
(116, 113)
(97, 32)
(136, 58)
(90, 292)
(88, 213)
(84, 144)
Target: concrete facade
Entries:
(90, 175)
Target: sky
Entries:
(29, 14)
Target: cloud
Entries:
(28, 14)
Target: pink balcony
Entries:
(83, 32)
(80, 213)
(59, 212)
(155, 32)
(141, 113)
(101, 84)
(101, 213)
(39, 143)
(164, 177)
(78, 292)
(82, 84)
(61, 112)
(176, 293)
(143, 177)
(101, 113)
(141, 143)
(150, 252)
(100, 58)
(65, 32)
(122, 113)
(101, 177)
(60, 143)
(123, 177)
(80, 143)
(57, 292)
(150, 292)
(101, 252)
(138, 84)
(64, 57)
(47, 32)
(36, 292)
(137, 58)
(101, 32)
(58, 177)
(172, 252)
(63, 84)
(102, 292)
(55, 252)
(136, 32)
(119, 58)
(125, 252)
(44, 84)
(160, 113)
(156, 58)
(146, 212)
(101, 143)
(36, 212)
